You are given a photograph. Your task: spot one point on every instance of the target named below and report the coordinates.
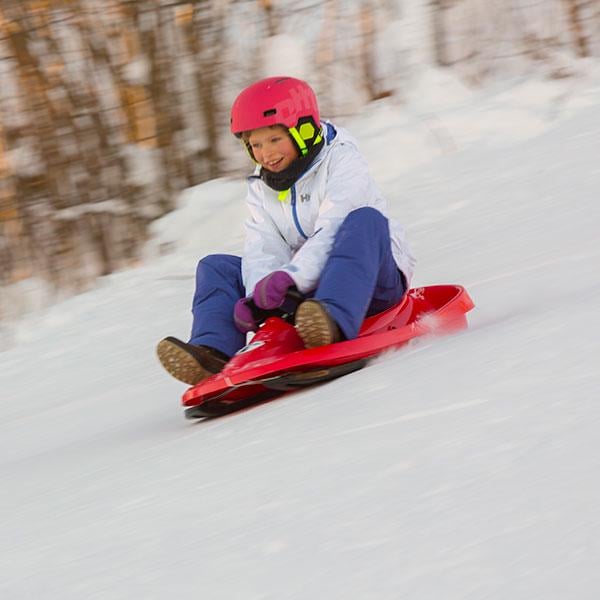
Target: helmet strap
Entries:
(249, 150)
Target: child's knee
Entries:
(220, 263)
(366, 215)
(364, 219)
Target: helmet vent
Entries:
(270, 112)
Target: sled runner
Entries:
(275, 361)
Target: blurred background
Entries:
(459, 468)
(109, 109)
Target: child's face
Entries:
(272, 147)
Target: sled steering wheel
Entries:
(286, 312)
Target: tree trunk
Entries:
(205, 38)
(271, 22)
(573, 9)
(440, 33)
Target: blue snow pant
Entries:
(360, 278)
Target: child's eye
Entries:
(275, 140)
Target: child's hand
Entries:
(243, 317)
(269, 294)
(270, 291)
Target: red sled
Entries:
(275, 361)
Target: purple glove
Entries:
(270, 291)
(242, 316)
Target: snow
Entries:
(137, 71)
(284, 53)
(462, 467)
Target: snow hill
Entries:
(464, 467)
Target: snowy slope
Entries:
(464, 467)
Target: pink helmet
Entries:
(274, 101)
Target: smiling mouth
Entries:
(274, 163)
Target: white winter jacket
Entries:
(295, 234)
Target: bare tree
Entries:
(440, 32)
(368, 40)
(573, 8)
(204, 34)
(270, 18)
(102, 131)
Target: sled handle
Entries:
(286, 312)
(294, 295)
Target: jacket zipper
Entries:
(295, 214)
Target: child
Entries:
(317, 223)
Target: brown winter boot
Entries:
(315, 326)
(188, 363)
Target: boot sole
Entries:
(314, 325)
(178, 363)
